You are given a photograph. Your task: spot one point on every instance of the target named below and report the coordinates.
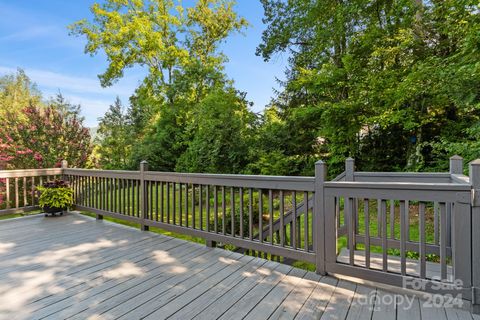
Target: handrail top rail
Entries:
(401, 173)
(19, 173)
(202, 175)
(399, 185)
(233, 176)
(75, 170)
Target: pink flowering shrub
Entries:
(43, 140)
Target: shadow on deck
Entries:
(76, 267)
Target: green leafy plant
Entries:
(55, 194)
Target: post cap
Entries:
(64, 163)
(456, 157)
(319, 162)
(143, 162)
(349, 159)
(475, 162)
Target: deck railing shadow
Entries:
(412, 230)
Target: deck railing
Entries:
(415, 230)
(17, 188)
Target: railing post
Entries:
(64, 165)
(350, 176)
(143, 196)
(475, 239)
(456, 165)
(319, 217)
(99, 216)
(349, 169)
(211, 243)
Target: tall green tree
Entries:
(221, 133)
(383, 81)
(180, 48)
(114, 138)
(17, 92)
(169, 39)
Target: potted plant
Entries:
(55, 197)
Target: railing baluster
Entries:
(25, 202)
(403, 215)
(87, 191)
(137, 189)
(282, 219)
(241, 211)
(102, 193)
(422, 249)
(168, 202)
(305, 220)
(124, 192)
(215, 208)
(337, 212)
(180, 204)
(392, 219)
(193, 206)
(270, 215)
(17, 205)
(200, 205)
(32, 186)
(114, 187)
(105, 195)
(99, 192)
(232, 211)
(186, 204)
(383, 213)
(7, 189)
(111, 186)
(224, 214)
(349, 215)
(156, 200)
(379, 219)
(366, 212)
(260, 215)
(293, 224)
(162, 202)
(174, 202)
(443, 241)
(207, 207)
(250, 214)
(119, 196)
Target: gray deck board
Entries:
(78, 268)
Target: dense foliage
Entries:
(36, 133)
(186, 115)
(392, 83)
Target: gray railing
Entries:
(378, 226)
(229, 209)
(17, 188)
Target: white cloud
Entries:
(29, 33)
(49, 79)
(80, 90)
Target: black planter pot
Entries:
(53, 211)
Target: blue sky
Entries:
(34, 37)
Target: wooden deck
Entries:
(76, 267)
